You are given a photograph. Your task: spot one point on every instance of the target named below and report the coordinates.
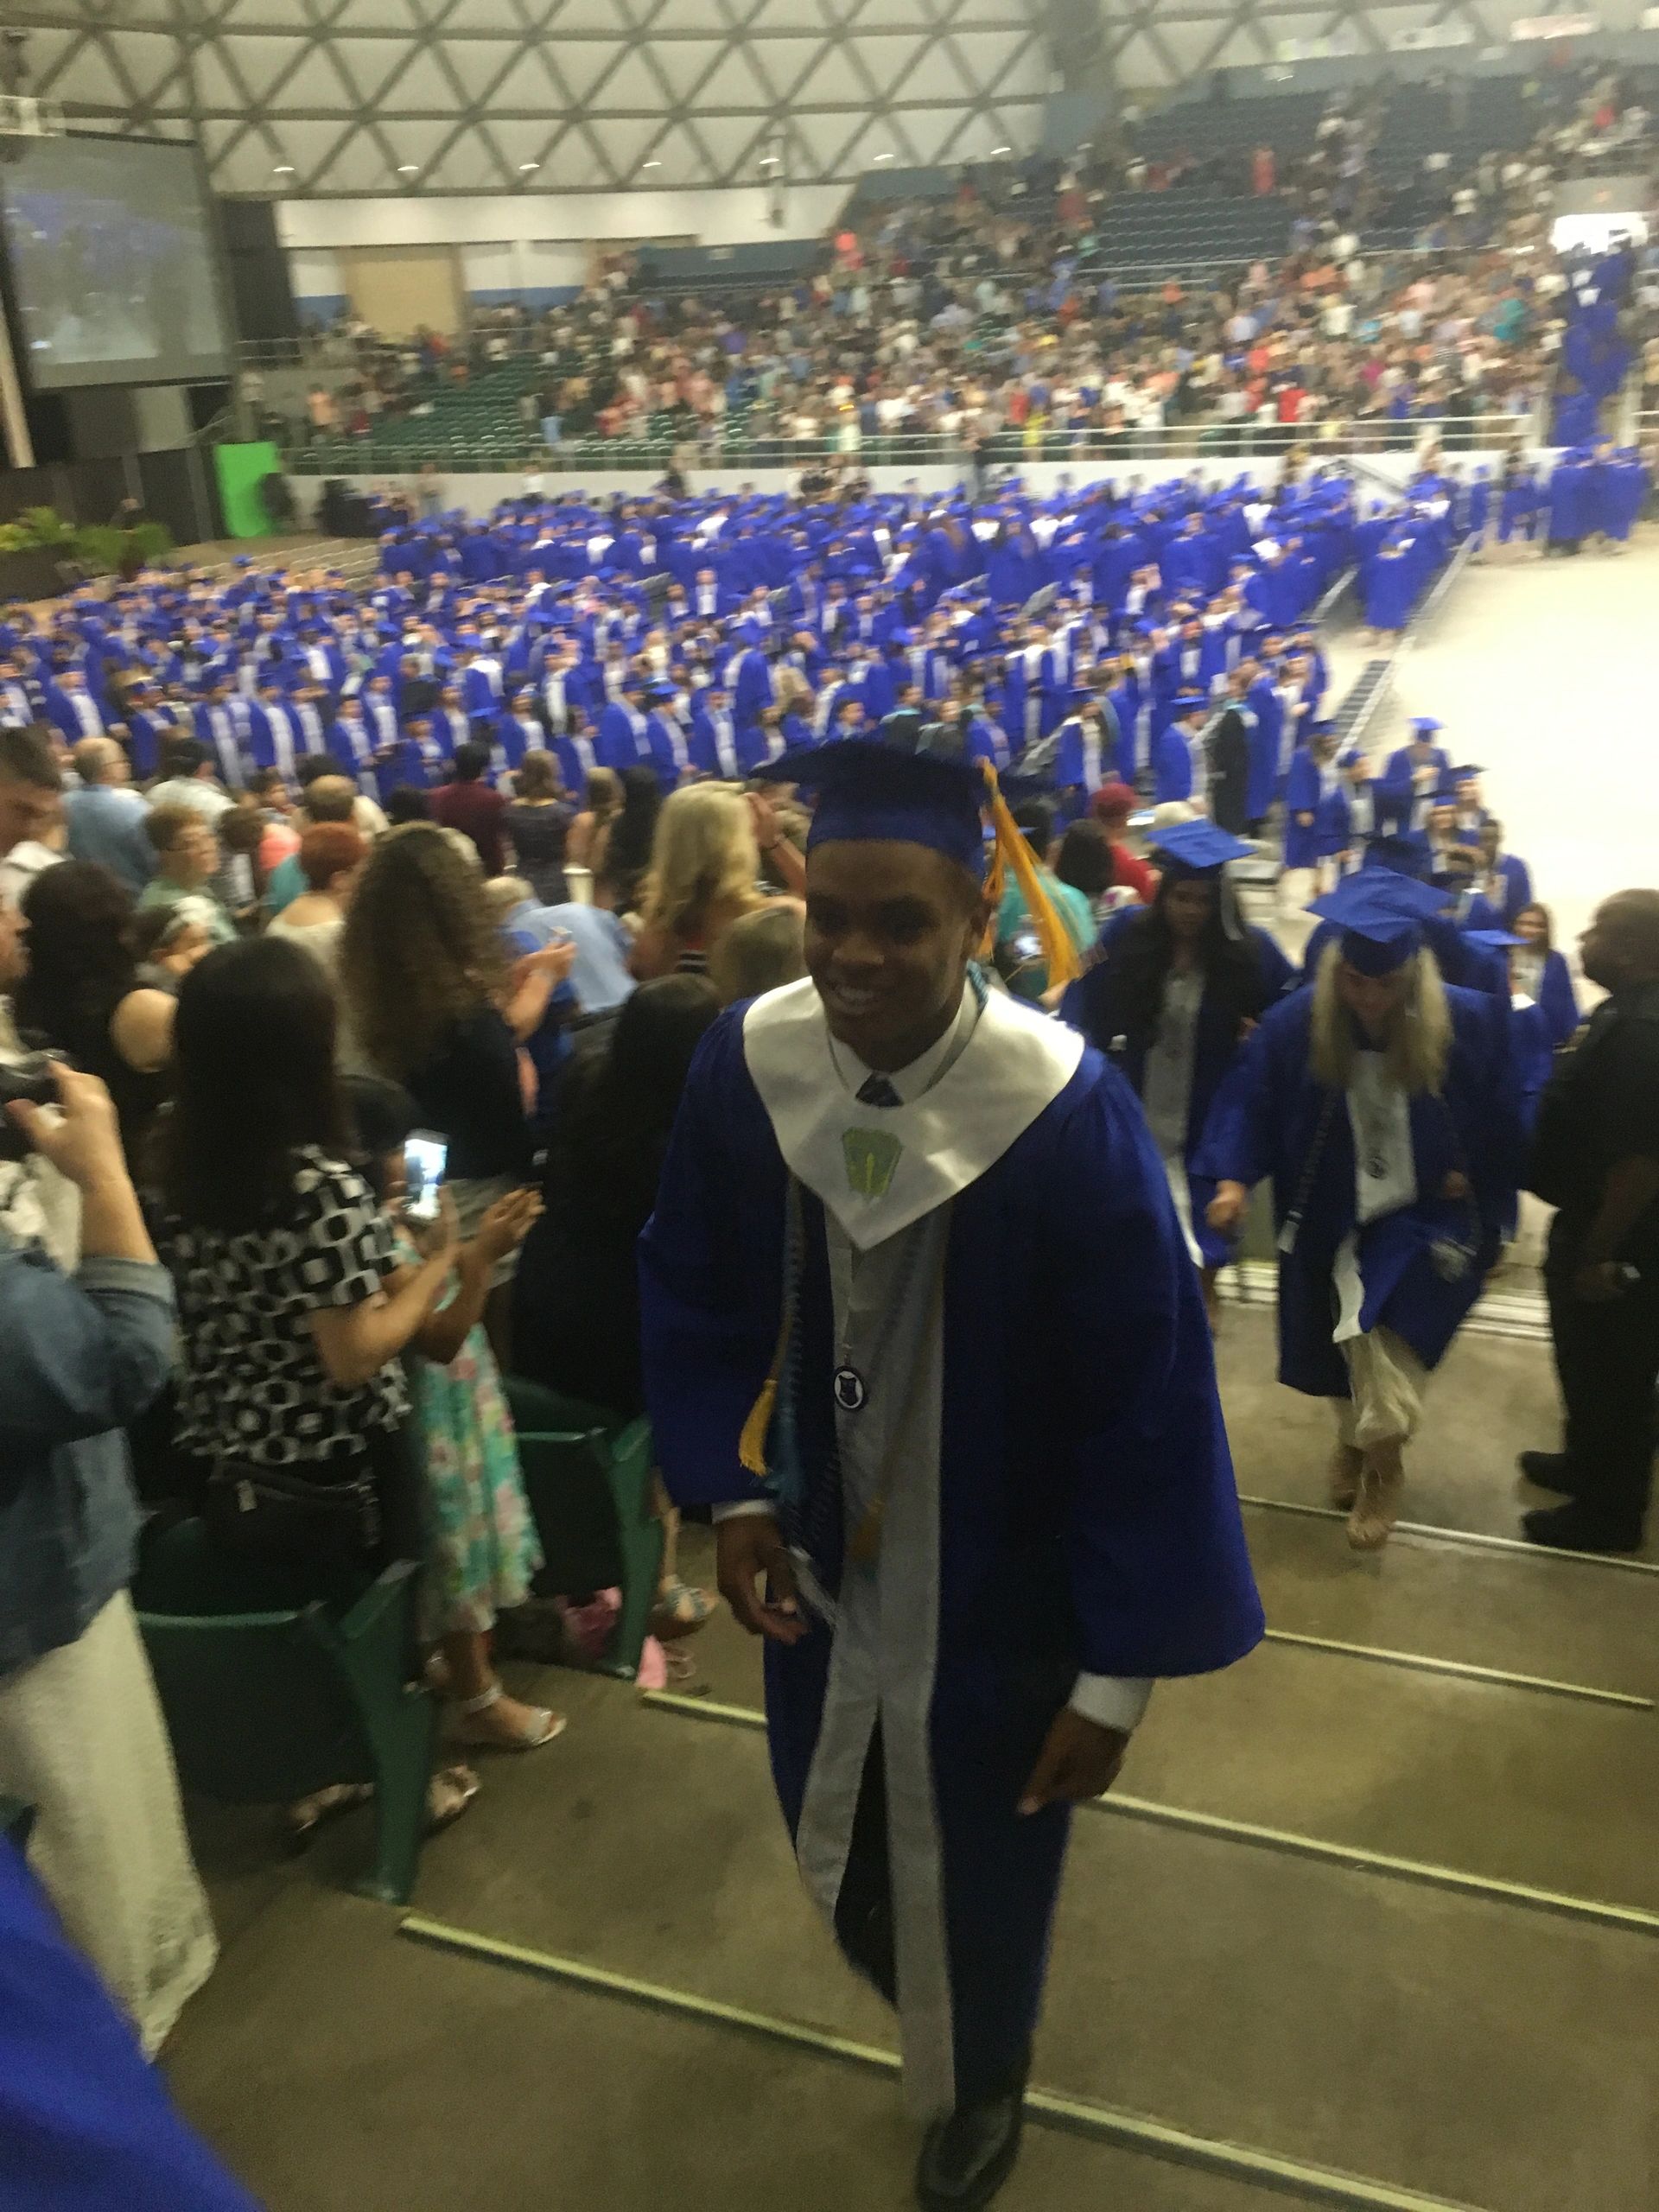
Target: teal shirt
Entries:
(1012, 914)
(283, 886)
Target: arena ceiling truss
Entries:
(352, 97)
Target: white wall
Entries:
(316, 274)
(525, 265)
(478, 494)
(737, 217)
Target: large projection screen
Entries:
(114, 273)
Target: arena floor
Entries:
(1406, 1932)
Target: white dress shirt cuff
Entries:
(1111, 1700)
(741, 1508)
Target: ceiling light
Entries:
(409, 169)
(651, 165)
(525, 167)
(284, 168)
(995, 150)
(880, 157)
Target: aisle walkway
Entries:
(1301, 2000)
(1543, 672)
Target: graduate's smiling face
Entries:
(890, 930)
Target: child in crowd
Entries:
(481, 1551)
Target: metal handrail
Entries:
(1211, 440)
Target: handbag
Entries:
(272, 1513)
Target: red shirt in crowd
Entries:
(476, 811)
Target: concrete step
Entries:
(1466, 2049)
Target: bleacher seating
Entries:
(1286, 122)
(1152, 230)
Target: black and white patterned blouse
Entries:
(252, 1385)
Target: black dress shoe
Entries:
(966, 2158)
(1550, 1471)
(1574, 1528)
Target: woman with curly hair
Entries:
(435, 1007)
(705, 872)
(82, 994)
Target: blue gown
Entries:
(1094, 1004)
(86, 2125)
(1087, 1519)
(1265, 1122)
(1306, 843)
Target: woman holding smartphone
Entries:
(293, 1407)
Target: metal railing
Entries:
(466, 452)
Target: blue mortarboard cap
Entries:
(1493, 940)
(1197, 847)
(868, 791)
(1463, 775)
(1426, 725)
(1190, 702)
(1402, 852)
(1380, 917)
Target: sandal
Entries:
(542, 1728)
(448, 1793)
(302, 1819)
(681, 1610)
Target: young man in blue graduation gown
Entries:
(1414, 775)
(1383, 1104)
(914, 1257)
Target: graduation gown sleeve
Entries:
(1160, 1577)
(709, 1312)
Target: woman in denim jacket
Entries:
(81, 1737)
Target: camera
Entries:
(30, 1078)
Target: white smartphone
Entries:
(426, 1156)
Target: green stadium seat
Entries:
(263, 1707)
(587, 1476)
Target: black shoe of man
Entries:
(966, 2158)
(1574, 1528)
(1550, 1471)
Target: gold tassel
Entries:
(1060, 953)
(752, 1444)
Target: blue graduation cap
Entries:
(869, 792)
(1190, 702)
(1380, 917)
(1197, 847)
(1463, 775)
(1426, 725)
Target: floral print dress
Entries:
(481, 1550)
